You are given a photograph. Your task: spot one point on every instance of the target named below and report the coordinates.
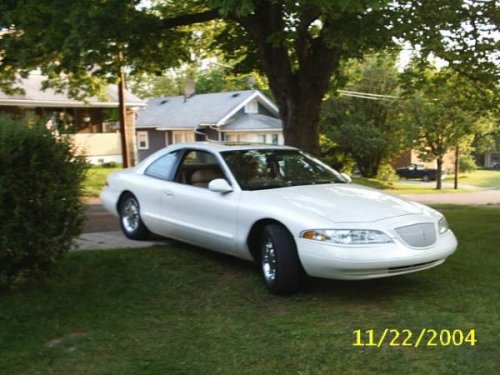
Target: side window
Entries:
(162, 167)
(198, 168)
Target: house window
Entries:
(274, 139)
(252, 107)
(182, 136)
(142, 140)
(261, 138)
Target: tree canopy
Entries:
(297, 44)
(367, 128)
(444, 110)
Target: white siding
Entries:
(99, 145)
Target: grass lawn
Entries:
(402, 188)
(483, 178)
(95, 179)
(425, 188)
(183, 310)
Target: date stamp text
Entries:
(412, 338)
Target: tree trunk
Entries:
(123, 113)
(439, 173)
(301, 120)
(298, 86)
(457, 167)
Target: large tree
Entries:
(444, 111)
(298, 44)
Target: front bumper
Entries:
(329, 261)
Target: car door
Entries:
(194, 214)
(150, 187)
(412, 171)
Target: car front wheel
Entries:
(130, 219)
(280, 264)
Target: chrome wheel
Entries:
(130, 215)
(269, 261)
(130, 219)
(281, 270)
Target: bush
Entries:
(467, 164)
(334, 157)
(40, 207)
(386, 173)
(110, 164)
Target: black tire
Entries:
(130, 219)
(281, 269)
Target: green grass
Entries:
(183, 310)
(426, 188)
(482, 178)
(402, 188)
(95, 180)
(373, 183)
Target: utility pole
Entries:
(123, 111)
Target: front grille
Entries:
(418, 235)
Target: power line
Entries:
(366, 95)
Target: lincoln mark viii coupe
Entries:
(279, 207)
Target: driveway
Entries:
(102, 231)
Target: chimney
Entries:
(189, 88)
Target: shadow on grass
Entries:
(348, 290)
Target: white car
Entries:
(277, 206)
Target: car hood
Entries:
(345, 203)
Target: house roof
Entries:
(34, 96)
(254, 121)
(178, 112)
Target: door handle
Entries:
(168, 193)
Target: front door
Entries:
(192, 212)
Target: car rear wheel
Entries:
(280, 264)
(130, 219)
(426, 178)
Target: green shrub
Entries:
(386, 173)
(467, 164)
(40, 207)
(110, 164)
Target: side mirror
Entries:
(219, 185)
(346, 177)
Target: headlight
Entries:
(347, 236)
(443, 226)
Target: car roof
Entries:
(228, 146)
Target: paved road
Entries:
(98, 219)
(102, 230)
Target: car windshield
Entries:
(268, 169)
